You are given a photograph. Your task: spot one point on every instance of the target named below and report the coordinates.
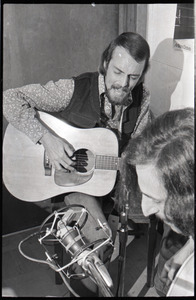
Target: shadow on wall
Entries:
(166, 69)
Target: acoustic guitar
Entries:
(29, 176)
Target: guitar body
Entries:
(23, 162)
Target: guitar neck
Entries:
(107, 162)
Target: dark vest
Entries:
(84, 108)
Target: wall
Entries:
(53, 41)
(171, 75)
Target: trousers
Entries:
(86, 287)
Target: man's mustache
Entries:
(123, 89)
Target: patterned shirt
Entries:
(20, 105)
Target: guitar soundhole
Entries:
(84, 160)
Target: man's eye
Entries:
(157, 201)
(117, 72)
(134, 77)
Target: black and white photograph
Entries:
(98, 149)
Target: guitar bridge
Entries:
(47, 165)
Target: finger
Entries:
(57, 165)
(165, 270)
(170, 277)
(164, 274)
(68, 160)
(168, 282)
(171, 274)
(61, 164)
(164, 278)
(69, 149)
(66, 165)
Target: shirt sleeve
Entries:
(20, 105)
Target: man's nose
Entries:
(148, 207)
(125, 81)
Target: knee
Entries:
(92, 204)
(79, 198)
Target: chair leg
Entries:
(152, 238)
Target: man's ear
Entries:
(105, 65)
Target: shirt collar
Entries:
(101, 84)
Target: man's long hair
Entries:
(135, 45)
(168, 144)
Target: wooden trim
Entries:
(133, 17)
(122, 20)
(141, 22)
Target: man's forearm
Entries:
(20, 105)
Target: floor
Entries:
(24, 278)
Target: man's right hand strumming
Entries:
(59, 151)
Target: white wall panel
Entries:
(171, 75)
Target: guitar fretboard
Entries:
(107, 162)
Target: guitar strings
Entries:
(86, 157)
(101, 162)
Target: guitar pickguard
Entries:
(67, 179)
(84, 168)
